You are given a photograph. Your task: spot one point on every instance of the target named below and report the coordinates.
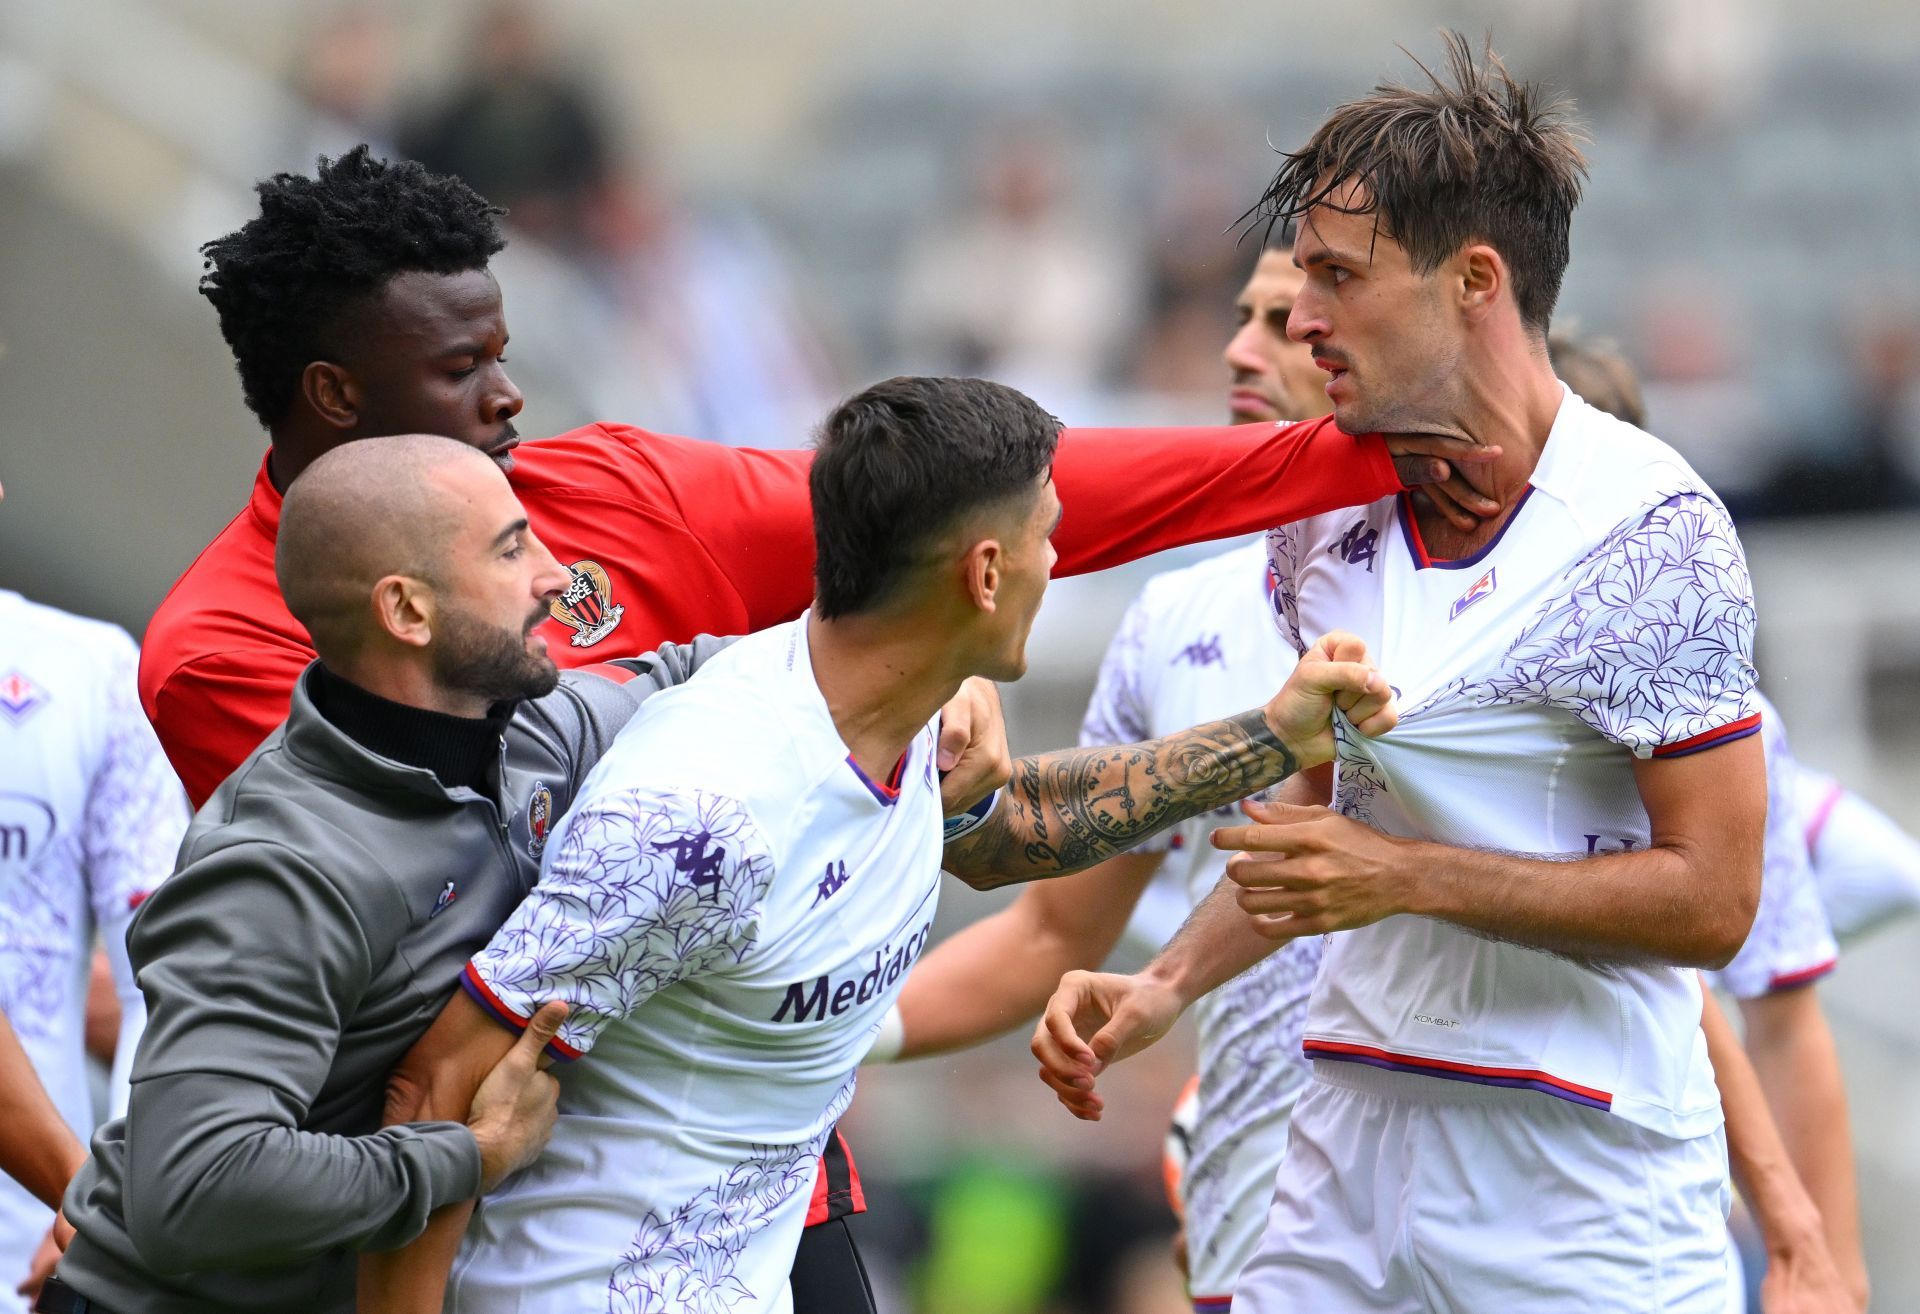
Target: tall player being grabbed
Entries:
(732, 904)
(1511, 1106)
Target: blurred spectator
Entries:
(1704, 397)
(346, 73)
(520, 129)
(712, 334)
(1196, 259)
(1020, 284)
(1872, 459)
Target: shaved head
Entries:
(364, 511)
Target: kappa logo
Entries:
(539, 817)
(20, 697)
(1204, 651)
(1481, 588)
(831, 882)
(587, 604)
(692, 859)
(1358, 544)
(444, 902)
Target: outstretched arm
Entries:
(998, 972)
(1067, 810)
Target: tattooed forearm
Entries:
(1067, 810)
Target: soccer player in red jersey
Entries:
(358, 303)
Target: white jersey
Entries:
(1612, 618)
(730, 908)
(91, 819)
(1198, 644)
(1867, 867)
(1791, 943)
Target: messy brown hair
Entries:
(1474, 156)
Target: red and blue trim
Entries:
(1805, 976)
(1422, 560)
(1514, 1078)
(888, 793)
(483, 995)
(1212, 1304)
(1726, 734)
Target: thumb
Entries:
(1272, 812)
(542, 1029)
(955, 730)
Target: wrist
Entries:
(1417, 892)
(1182, 981)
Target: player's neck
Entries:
(1510, 402)
(882, 682)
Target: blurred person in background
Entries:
(346, 73)
(1684, 329)
(520, 128)
(1017, 282)
(90, 819)
(1871, 461)
(715, 333)
(1194, 265)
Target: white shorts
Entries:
(1403, 1194)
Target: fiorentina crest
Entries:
(587, 604)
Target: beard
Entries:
(492, 661)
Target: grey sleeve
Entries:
(251, 961)
(608, 704)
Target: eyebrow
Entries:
(475, 348)
(1324, 256)
(511, 532)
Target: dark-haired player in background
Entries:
(359, 303)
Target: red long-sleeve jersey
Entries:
(670, 537)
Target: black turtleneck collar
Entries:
(459, 750)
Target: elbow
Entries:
(165, 1226)
(1723, 931)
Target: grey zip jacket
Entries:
(324, 904)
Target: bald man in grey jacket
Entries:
(329, 893)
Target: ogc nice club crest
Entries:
(587, 604)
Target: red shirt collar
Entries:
(264, 505)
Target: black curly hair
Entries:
(319, 244)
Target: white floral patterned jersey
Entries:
(729, 910)
(1611, 619)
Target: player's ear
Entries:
(1482, 274)
(981, 570)
(331, 392)
(403, 608)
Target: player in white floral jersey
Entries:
(91, 817)
(742, 884)
(1512, 1105)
